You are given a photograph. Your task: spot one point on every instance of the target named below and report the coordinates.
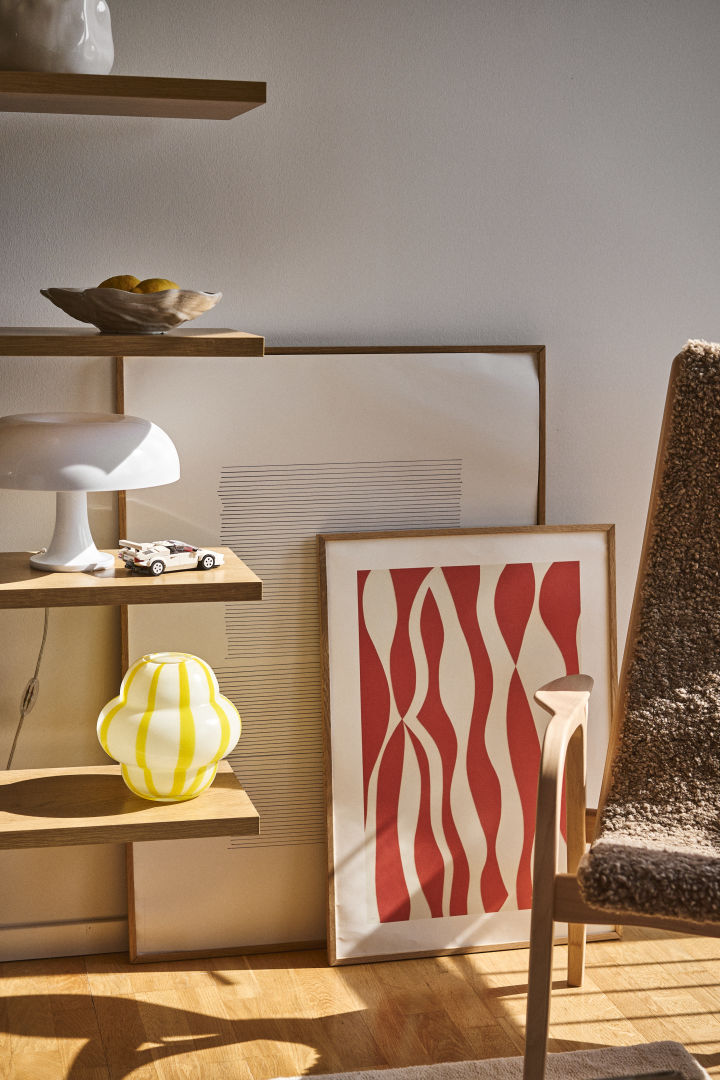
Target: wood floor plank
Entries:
(109, 973)
(38, 1064)
(587, 1019)
(233, 971)
(321, 992)
(466, 998)
(495, 979)
(496, 1040)
(280, 1061)
(277, 992)
(124, 1039)
(119, 974)
(258, 1044)
(430, 995)
(259, 1017)
(215, 1033)
(662, 994)
(397, 1036)
(30, 1023)
(77, 1033)
(441, 1037)
(327, 1041)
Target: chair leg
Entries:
(539, 987)
(576, 954)
(545, 860)
(576, 843)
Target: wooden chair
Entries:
(655, 856)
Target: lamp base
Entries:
(72, 548)
(90, 560)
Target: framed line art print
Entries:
(435, 642)
(307, 440)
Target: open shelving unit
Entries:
(92, 805)
(49, 807)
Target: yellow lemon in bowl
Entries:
(126, 282)
(154, 284)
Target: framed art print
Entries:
(435, 642)
(300, 442)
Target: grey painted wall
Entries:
(425, 171)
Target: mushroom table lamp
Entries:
(73, 453)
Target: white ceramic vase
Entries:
(169, 727)
(56, 35)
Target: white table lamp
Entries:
(73, 453)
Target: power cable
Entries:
(31, 692)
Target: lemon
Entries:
(154, 284)
(126, 282)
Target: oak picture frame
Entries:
(357, 929)
(296, 378)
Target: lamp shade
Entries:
(84, 452)
(73, 453)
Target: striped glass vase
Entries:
(169, 727)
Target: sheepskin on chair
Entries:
(657, 848)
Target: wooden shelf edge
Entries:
(92, 805)
(86, 341)
(23, 587)
(128, 95)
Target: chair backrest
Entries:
(658, 840)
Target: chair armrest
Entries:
(564, 746)
(556, 696)
(563, 751)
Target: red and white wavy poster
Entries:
(449, 660)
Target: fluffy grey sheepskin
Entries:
(657, 849)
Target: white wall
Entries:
(425, 171)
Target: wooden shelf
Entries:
(92, 805)
(23, 587)
(62, 341)
(128, 95)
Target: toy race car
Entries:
(157, 556)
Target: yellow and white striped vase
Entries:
(169, 727)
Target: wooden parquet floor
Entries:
(256, 1017)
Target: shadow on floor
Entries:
(125, 1034)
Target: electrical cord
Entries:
(31, 692)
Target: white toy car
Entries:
(157, 556)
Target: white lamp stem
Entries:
(72, 547)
